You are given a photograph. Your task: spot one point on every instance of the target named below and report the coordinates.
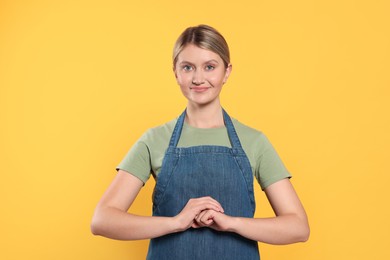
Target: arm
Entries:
(112, 220)
(290, 225)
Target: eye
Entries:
(187, 68)
(210, 67)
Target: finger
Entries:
(202, 206)
(207, 199)
(206, 218)
(200, 216)
(209, 203)
(215, 202)
(195, 225)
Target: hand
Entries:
(194, 207)
(213, 219)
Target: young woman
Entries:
(204, 163)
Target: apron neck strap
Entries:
(177, 130)
(234, 140)
(233, 137)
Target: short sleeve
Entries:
(269, 166)
(137, 161)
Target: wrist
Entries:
(233, 224)
(175, 225)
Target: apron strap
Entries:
(177, 130)
(234, 140)
(233, 137)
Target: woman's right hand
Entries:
(186, 218)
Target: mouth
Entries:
(199, 89)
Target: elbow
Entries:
(96, 225)
(299, 231)
(95, 229)
(304, 233)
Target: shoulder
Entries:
(266, 163)
(253, 141)
(158, 134)
(247, 133)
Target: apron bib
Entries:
(220, 172)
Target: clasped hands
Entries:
(203, 212)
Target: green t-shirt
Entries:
(146, 156)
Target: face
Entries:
(201, 74)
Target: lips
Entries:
(199, 89)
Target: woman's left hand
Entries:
(213, 219)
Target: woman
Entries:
(203, 163)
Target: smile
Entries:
(199, 89)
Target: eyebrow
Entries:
(187, 62)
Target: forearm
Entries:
(116, 224)
(279, 230)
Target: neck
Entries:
(205, 116)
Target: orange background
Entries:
(80, 81)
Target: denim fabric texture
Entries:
(220, 172)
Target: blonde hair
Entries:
(205, 37)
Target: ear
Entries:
(227, 72)
(174, 72)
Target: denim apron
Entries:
(220, 172)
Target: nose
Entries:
(198, 77)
